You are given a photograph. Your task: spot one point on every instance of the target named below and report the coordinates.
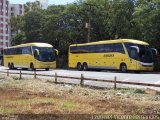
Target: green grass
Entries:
(21, 102)
(70, 105)
(7, 110)
(42, 100)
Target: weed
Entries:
(139, 91)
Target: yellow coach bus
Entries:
(31, 55)
(121, 54)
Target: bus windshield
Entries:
(46, 54)
(144, 54)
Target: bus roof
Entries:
(32, 44)
(114, 41)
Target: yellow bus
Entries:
(121, 54)
(30, 55)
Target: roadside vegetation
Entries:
(30, 96)
(62, 25)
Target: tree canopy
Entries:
(62, 25)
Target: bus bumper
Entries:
(43, 65)
(145, 66)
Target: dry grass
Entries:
(28, 96)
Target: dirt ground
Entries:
(29, 96)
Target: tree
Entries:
(146, 17)
(18, 39)
(62, 25)
(32, 6)
(16, 29)
(16, 24)
(32, 26)
(52, 30)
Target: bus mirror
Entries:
(154, 51)
(136, 48)
(56, 52)
(36, 52)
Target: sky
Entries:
(56, 2)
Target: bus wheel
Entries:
(32, 66)
(79, 66)
(9, 65)
(85, 66)
(123, 68)
(12, 66)
(47, 69)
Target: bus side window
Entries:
(19, 50)
(11, 51)
(74, 49)
(100, 48)
(78, 49)
(26, 50)
(90, 48)
(108, 48)
(118, 47)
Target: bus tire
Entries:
(79, 66)
(85, 66)
(12, 66)
(47, 69)
(32, 67)
(123, 68)
(9, 65)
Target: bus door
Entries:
(133, 56)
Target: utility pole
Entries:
(88, 25)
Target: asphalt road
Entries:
(153, 78)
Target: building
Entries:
(16, 10)
(4, 25)
(6, 12)
(43, 3)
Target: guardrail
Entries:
(81, 78)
